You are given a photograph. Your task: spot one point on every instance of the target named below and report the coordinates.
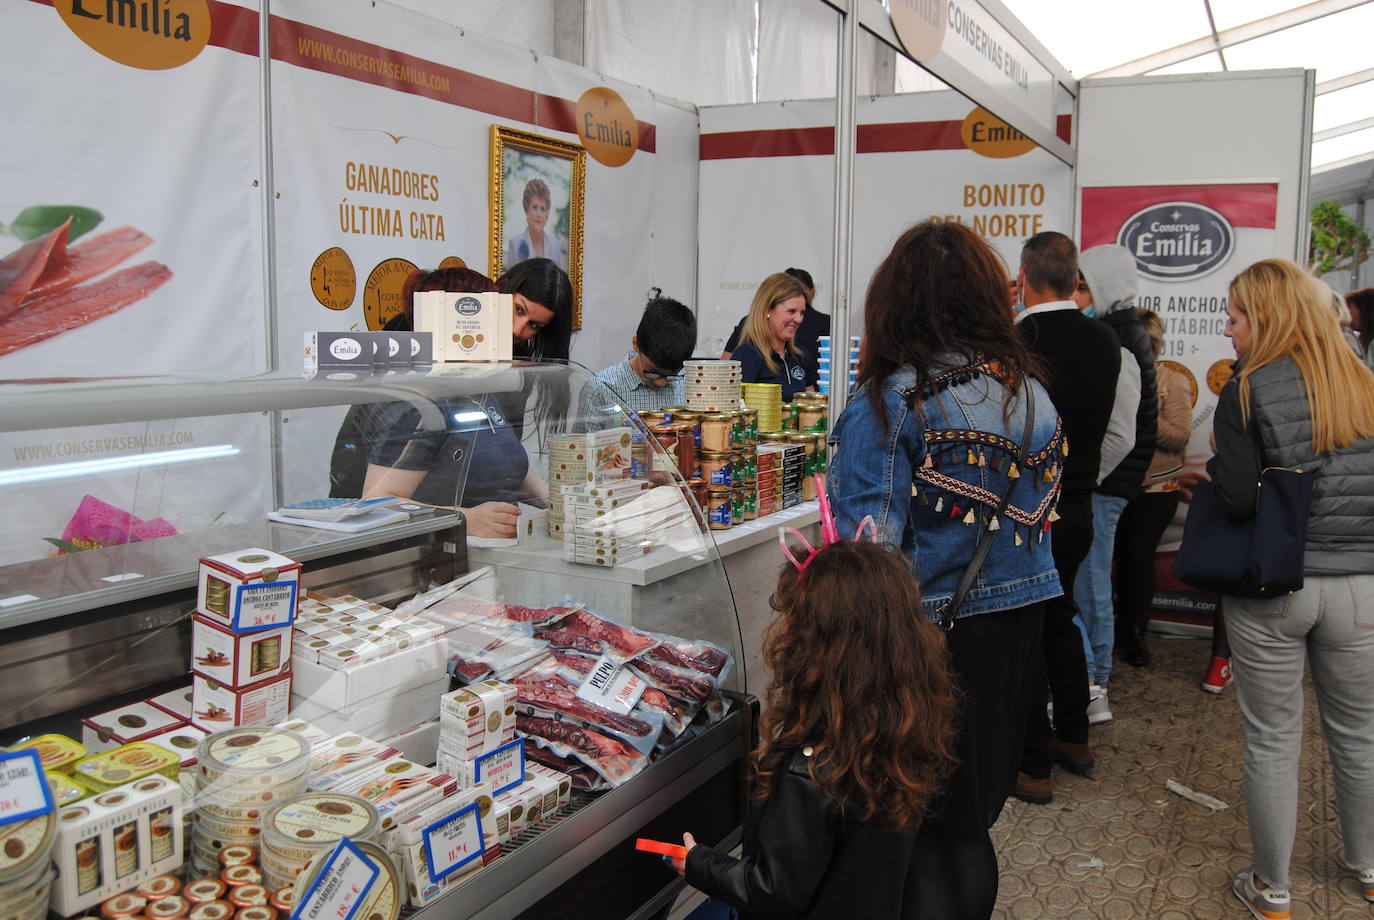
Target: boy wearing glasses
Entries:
(650, 377)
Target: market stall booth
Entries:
(283, 670)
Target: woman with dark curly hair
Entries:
(946, 421)
(857, 738)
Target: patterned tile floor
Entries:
(1163, 856)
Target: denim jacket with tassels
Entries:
(936, 475)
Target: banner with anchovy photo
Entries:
(1188, 241)
(130, 208)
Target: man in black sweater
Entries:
(1082, 359)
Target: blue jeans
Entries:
(1092, 590)
(1330, 624)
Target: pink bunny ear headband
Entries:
(829, 532)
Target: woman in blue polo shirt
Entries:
(767, 352)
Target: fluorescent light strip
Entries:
(114, 464)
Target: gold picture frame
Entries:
(523, 162)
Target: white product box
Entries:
(115, 841)
(135, 722)
(380, 715)
(338, 355)
(417, 743)
(532, 523)
(218, 706)
(177, 702)
(466, 327)
(183, 741)
(238, 659)
(249, 589)
(502, 769)
(562, 783)
(397, 783)
(347, 761)
(410, 843)
(477, 718)
(405, 669)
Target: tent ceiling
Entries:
(1115, 38)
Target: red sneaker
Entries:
(1219, 675)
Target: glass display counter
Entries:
(454, 529)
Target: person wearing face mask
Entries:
(477, 464)
(536, 241)
(767, 351)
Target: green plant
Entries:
(1338, 243)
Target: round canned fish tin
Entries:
(211, 910)
(248, 896)
(25, 845)
(276, 867)
(27, 898)
(252, 756)
(241, 874)
(256, 912)
(211, 827)
(122, 905)
(384, 899)
(276, 882)
(167, 908)
(203, 890)
(284, 898)
(237, 856)
(159, 886)
(300, 827)
(207, 804)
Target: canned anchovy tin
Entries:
(212, 910)
(204, 889)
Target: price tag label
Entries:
(612, 687)
(264, 606)
(24, 791)
(338, 891)
(503, 768)
(453, 842)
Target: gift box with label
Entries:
(217, 706)
(249, 589)
(238, 659)
(135, 722)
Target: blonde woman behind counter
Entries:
(767, 352)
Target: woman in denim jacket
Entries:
(928, 445)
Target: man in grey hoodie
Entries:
(1108, 288)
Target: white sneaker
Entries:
(1264, 903)
(1366, 877)
(1099, 712)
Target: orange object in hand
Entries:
(673, 850)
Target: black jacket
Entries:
(1082, 359)
(1129, 476)
(805, 858)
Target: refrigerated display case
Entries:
(117, 488)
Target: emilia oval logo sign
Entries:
(986, 134)
(147, 34)
(1178, 240)
(468, 306)
(606, 126)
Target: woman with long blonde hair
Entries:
(1301, 399)
(766, 351)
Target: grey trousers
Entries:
(1330, 623)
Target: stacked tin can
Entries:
(766, 398)
(243, 772)
(842, 363)
(711, 386)
(578, 459)
(26, 872)
(296, 831)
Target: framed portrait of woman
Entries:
(537, 186)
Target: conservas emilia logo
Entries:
(468, 306)
(1178, 240)
(346, 349)
(147, 34)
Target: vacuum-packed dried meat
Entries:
(583, 777)
(461, 606)
(700, 656)
(676, 714)
(615, 760)
(683, 683)
(585, 631)
(44, 317)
